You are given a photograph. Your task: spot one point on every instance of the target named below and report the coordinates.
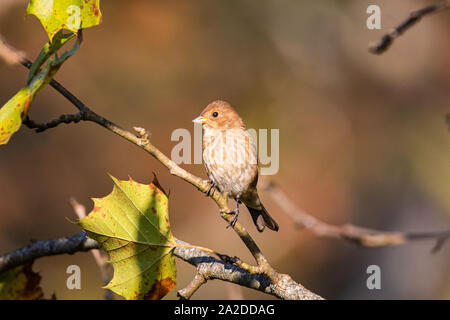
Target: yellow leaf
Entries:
(132, 226)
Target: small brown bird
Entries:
(230, 158)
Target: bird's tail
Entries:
(261, 218)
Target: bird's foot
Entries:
(234, 220)
(212, 188)
(236, 214)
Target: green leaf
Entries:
(72, 15)
(16, 109)
(132, 226)
(46, 52)
(20, 283)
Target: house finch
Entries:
(230, 159)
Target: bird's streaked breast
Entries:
(230, 158)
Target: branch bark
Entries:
(37, 249)
(414, 17)
(208, 267)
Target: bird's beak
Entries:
(200, 119)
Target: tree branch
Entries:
(412, 19)
(208, 267)
(361, 236)
(37, 249)
(65, 118)
(187, 292)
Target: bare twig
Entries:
(361, 236)
(207, 266)
(65, 118)
(100, 259)
(10, 56)
(187, 292)
(412, 19)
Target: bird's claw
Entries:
(235, 218)
(212, 188)
(236, 214)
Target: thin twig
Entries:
(187, 292)
(361, 236)
(412, 19)
(241, 264)
(10, 55)
(65, 118)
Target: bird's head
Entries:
(219, 115)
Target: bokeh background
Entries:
(363, 138)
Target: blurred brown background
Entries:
(362, 137)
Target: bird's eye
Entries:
(215, 114)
